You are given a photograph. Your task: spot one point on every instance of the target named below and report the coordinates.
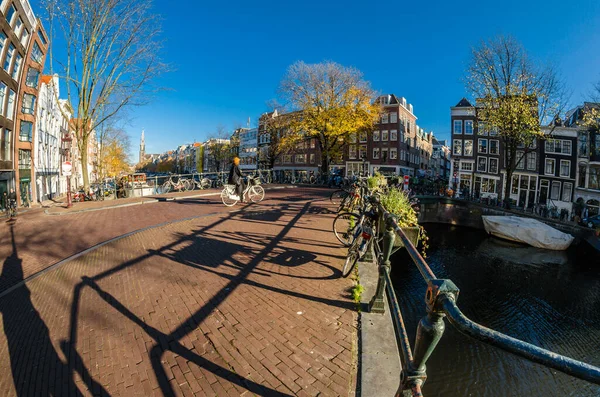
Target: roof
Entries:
(464, 103)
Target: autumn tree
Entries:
(329, 103)
(114, 145)
(514, 96)
(272, 126)
(110, 61)
(219, 148)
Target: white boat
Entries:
(528, 231)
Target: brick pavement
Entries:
(244, 303)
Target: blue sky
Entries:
(229, 57)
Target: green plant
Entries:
(357, 291)
(376, 181)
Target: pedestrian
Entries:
(4, 202)
(236, 178)
(12, 198)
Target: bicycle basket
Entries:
(253, 181)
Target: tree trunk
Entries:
(84, 165)
(324, 157)
(510, 168)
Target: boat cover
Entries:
(527, 230)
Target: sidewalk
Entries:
(227, 303)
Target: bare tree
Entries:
(515, 97)
(110, 62)
(219, 148)
(333, 103)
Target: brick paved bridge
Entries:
(201, 301)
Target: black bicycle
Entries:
(12, 209)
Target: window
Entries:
(313, 143)
(384, 135)
(466, 166)
(384, 118)
(393, 117)
(393, 135)
(567, 192)
(352, 138)
(468, 147)
(5, 150)
(594, 177)
(393, 153)
(42, 37)
(363, 137)
(287, 158)
(26, 131)
(494, 131)
(481, 164)
(10, 15)
(555, 190)
(532, 161)
(18, 26)
(3, 92)
(2, 42)
(494, 146)
(17, 68)
(520, 159)
(558, 146)
(582, 172)
(483, 144)
(9, 57)
(481, 128)
(300, 158)
(352, 151)
(25, 38)
(549, 169)
(10, 110)
(565, 168)
(384, 154)
(24, 159)
(582, 138)
(312, 158)
(36, 53)
(469, 127)
(375, 153)
(375, 136)
(493, 166)
(458, 126)
(457, 147)
(363, 151)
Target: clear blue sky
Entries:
(230, 56)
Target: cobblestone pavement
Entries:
(227, 303)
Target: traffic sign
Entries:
(67, 167)
(406, 179)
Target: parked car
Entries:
(592, 221)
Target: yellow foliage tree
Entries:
(330, 103)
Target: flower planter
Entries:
(411, 232)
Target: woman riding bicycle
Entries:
(236, 178)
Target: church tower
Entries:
(142, 148)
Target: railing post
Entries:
(429, 331)
(377, 303)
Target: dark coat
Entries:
(235, 175)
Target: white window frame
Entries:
(460, 146)
(546, 162)
(481, 128)
(463, 163)
(554, 183)
(393, 135)
(384, 135)
(465, 148)
(12, 103)
(468, 123)
(375, 136)
(352, 153)
(486, 146)
(458, 123)
(375, 153)
(490, 165)
(497, 142)
(570, 187)
(393, 153)
(393, 117)
(534, 155)
(568, 163)
(385, 150)
(486, 164)
(384, 118)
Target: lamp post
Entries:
(66, 140)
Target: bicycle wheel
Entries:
(227, 197)
(345, 204)
(204, 183)
(219, 183)
(353, 257)
(337, 196)
(166, 187)
(344, 225)
(256, 194)
(188, 185)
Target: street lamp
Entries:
(66, 143)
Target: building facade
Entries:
(440, 159)
(248, 148)
(23, 46)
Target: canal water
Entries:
(550, 299)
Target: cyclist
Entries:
(12, 202)
(236, 178)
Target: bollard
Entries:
(377, 304)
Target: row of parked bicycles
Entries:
(356, 225)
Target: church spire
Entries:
(142, 148)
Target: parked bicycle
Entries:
(255, 192)
(11, 211)
(199, 182)
(180, 185)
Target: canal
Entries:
(550, 299)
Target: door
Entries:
(544, 187)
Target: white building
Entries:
(248, 148)
(46, 147)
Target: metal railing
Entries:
(440, 298)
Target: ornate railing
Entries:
(440, 298)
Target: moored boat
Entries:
(527, 230)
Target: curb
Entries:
(152, 201)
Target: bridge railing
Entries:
(440, 298)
